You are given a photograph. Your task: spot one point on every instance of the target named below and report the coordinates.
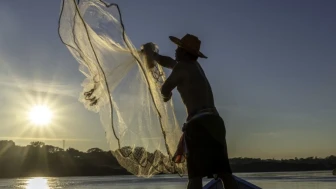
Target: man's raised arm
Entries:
(165, 61)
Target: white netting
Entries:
(141, 130)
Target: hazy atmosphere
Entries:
(271, 66)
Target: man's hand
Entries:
(148, 48)
(167, 98)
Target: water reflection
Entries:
(290, 180)
(37, 183)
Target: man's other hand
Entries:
(167, 98)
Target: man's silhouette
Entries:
(204, 130)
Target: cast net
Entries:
(141, 130)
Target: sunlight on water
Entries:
(37, 183)
(280, 180)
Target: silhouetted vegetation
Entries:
(39, 159)
(274, 165)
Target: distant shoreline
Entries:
(39, 159)
(185, 176)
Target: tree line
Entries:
(283, 165)
(40, 159)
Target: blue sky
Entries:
(271, 65)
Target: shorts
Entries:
(206, 155)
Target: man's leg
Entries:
(229, 181)
(195, 183)
(195, 161)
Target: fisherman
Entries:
(204, 130)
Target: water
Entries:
(284, 180)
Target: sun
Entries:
(40, 115)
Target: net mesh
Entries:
(141, 130)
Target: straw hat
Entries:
(190, 43)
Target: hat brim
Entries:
(178, 42)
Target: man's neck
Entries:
(185, 60)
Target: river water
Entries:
(282, 180)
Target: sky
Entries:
(271, 66)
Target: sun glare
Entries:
(37, 182)
(40, 115)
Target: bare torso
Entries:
(191, 83)
(195, 89)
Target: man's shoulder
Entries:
(181, 66)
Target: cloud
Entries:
(49, 87)
(49, 139)
(11, 22)
(269, 134)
